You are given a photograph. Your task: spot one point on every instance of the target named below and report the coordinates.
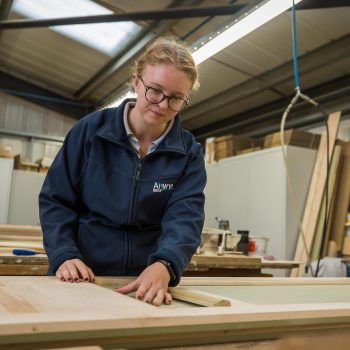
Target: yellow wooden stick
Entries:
(197, 297)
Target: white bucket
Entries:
(261, 244)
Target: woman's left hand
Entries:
(151, 285)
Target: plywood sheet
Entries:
(41, 312)
(21, 229)
(314, 199)
(342, 198)
(320, 235)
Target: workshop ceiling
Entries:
(244, 88)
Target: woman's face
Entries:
(166, 78)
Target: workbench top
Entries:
(39, 312)
(37, 265)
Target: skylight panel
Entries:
(104, 37)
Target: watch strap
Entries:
(169, 267)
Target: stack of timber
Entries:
(334, 189)
(293, 137)
(230, 145)
(22, 237)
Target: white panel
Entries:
(301, 166)
(24, 207)
(6, 169)
(251, 192)
(212, 195)
(267, 198)
(233, 188)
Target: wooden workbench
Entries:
(229, 265)
(267, 313)
(200, 266)
(234, 266)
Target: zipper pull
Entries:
(138, 171)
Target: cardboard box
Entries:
(231, 145)
(293, 137)
(44, 164)
(24, 164)
(6, 151)
(210, 150)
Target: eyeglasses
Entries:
(155, 96)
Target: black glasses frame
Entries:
(147, 88)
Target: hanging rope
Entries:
(299, 95)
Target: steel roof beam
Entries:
(331, 95)
(127, 55)
(122, 59)
(5, 9)
(35, 94)
(156, 15)
(321, 4)
(322, 56)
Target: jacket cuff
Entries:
(176, 264)
(61, 257)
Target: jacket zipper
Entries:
(135, 187)
(131, 214)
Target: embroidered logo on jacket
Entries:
(160, 187)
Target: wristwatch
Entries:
(170, 269)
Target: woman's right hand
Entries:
(74, 270)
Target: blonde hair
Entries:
(168, 50)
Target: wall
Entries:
(17, 115)
(344, 128)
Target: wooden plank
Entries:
(198, 297)
(279, 264)
(324, 340)
(315, 194)
(10, 259)
(26, 245)
(243, 281)
(21, 229)
(23, 270)
(81, 348)
(225, 260)
(332, 205)
(116, 282)
(316, 244)
(17, 237)
(224, 272)
(342, 199)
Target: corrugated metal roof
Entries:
(250, 73)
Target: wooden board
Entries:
(37, 246)
(20, 229)
(225, 260)
(319, 231)
(314, 199)
(342, 199)
(321, 341)
(41, 312)
(23, 270)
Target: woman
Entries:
(124, 195)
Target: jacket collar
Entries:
(114, 131)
